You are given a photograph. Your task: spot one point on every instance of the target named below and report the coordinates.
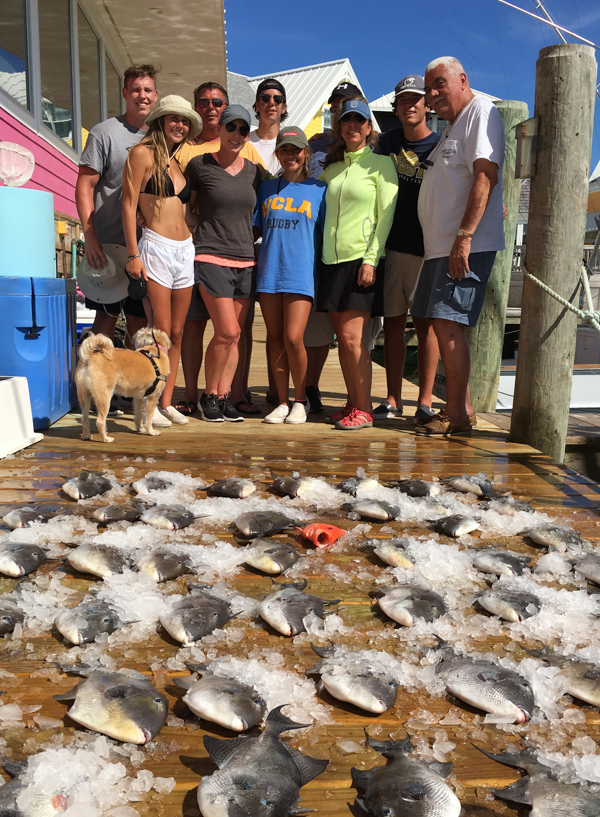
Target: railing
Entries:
(518, 261)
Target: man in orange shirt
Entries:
(210, 100)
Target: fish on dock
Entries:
(127, 512)
(38, 804)
(406, 602)
(85, 622)
(222, 700)
(405, 787)
(478, 484)
(20, 559)
(557, 537)
(271, 557)
(289, 486)
(232, 488)
(11, 613)
(417, 488)
(287, 607)
(510, 604)
(257, 776)
(372, 510)
(164, 565)
(456, 525)
(581, 678)
(195, 615)
(168, 517)
(23, 517)
(353, 485)
(152, 482)
(260, 524)
(130, 710)
(391, 551)
(500, 562)
(87, 485)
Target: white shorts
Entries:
(170, 263)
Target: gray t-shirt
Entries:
(105, 151)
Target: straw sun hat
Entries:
(177, 106)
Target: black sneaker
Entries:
(229, 412)
(209, 408)
(113, 411)
(313, 395)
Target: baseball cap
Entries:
(355, 106)
(270, 84)
(291, 135)
(233, 112)
(344, 89)
(412, 84)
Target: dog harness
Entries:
(151, 389)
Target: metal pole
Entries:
(564, 105)
(554, 25)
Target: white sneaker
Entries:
(159, 421)
(298, 413)
(278, 415)
(174, 416)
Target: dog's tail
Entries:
(96, 345)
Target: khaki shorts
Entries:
(402, 272)
(319, 330)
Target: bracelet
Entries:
(131, 257)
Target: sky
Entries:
(388, 39)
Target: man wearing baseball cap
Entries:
(271, 110)
(408, 146)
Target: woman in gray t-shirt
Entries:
(224, 189)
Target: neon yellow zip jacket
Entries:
(359, 207)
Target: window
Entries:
(113, 89)
(89, 73)
(13, 54)
(441, 124)
(55, 67)
(326, 117)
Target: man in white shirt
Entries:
(271, 110)
(460, 210)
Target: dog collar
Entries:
(147, 353)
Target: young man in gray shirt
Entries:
(98, 193)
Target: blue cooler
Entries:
(38, 340)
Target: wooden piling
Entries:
(486, 339)
(564, 104)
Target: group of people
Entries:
(329, 235)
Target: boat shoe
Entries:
(441, 426)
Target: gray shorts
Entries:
(197, 310)
(459, 300)
(226, 282)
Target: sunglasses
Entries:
(231, 127)
(353, 117)
(277, 98)
(216, 103)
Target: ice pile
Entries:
(41, 599)
(53, 534)
(138, 599)
(180, 489)
(88, 779)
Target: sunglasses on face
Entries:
(216, 103)
(277, 98)
(353, 117)
(231, 127)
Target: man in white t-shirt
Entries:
(460, 210)
(271, 110)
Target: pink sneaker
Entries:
(339, 414)
(355, 419)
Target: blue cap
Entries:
(356, 106)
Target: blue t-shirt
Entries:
(291, 216)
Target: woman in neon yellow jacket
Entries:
(362, 188)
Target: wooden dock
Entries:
(390, 450)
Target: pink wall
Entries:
(53, 172)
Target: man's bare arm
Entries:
(486, 178)
(84, 200)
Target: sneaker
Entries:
(386, 411)
(229, 412)
(159, 420)
(176, 417)
(113, 411)
(424, 414)
(339, 414)
(298, 413)
(209, 408)
(355, 420)
(313, 396)
(278, 415)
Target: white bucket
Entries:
(16, 422)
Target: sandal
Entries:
(186, 407)
(250, 411)
(356, 420)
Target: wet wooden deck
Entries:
(250, 449)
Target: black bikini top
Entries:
(184, 194)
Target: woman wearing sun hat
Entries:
(290, 214)
(362, 188)
(224, 186)
(153, 181)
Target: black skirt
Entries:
(339, 290)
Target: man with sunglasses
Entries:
(271, 110)
(408, 147)
(210, 100)
(460, 210)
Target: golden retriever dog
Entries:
(103, 370)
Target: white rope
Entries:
(588, 316)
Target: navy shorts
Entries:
(453, 299)
(130, 307)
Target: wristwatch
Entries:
(464, 233)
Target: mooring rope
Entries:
(588, 316)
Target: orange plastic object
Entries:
(322, 535)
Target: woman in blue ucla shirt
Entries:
(290, 213)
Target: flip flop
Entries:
(186, 407)
(252, 411)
